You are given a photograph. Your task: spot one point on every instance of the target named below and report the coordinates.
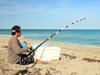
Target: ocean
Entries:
(78, 37)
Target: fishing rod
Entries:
(54, 35)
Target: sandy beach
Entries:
(74, 60)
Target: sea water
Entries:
(69, 36)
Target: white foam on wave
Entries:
(6, 35)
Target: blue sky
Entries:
(49, 14)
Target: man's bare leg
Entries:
(44, 62)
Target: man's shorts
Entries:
(25, 61)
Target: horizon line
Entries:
(56, 29)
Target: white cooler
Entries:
(47, 53)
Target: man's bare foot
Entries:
(53, 62)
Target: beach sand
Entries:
(74, 60)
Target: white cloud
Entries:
(13, 7)
(8, 7)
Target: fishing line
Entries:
(55, 34)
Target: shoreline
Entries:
(52, 42)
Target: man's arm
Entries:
(17, 48)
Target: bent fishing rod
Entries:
(54, 35)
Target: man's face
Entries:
(18, 34)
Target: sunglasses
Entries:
(18, 31)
